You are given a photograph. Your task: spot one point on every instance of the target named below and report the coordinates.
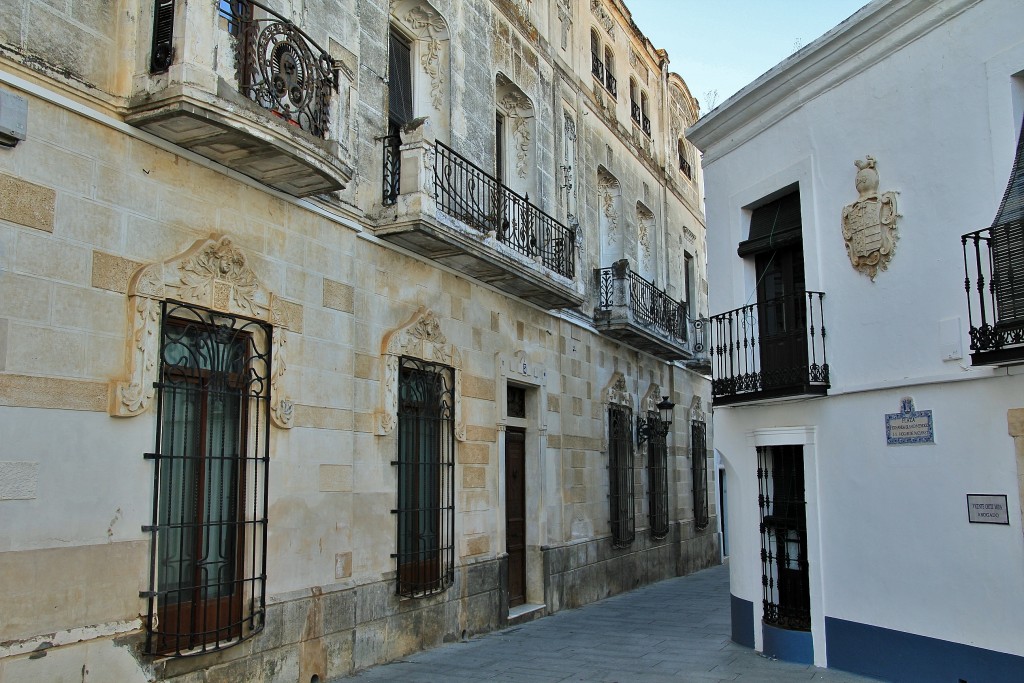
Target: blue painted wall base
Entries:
(742, 621)
(906, 657)
(789, 646)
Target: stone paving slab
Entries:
(675, 630)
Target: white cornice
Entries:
(874, 32)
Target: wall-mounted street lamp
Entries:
(648, 428)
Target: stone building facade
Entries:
(868, 247)
(330, 331)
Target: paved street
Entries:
(676, 630)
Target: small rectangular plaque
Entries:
(987, 509)
(909, 426)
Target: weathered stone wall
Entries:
(85, 202)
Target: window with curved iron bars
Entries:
(208, 560)
(620, 475)
(426, 470)
(699, 464)
(657, 477)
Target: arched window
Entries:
(634, 101)
(596, 64)
(684, 159)
(609, 72)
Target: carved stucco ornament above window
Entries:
(429, 26)
(603, 17)
(420, 337)
(214, 274)
(869, 224)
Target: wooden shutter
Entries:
(162, 53)
(399, 80)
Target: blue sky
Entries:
(724, 44)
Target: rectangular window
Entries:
(400, 109)
(657, 477)
(620, 475)
(207, 581)
(426, 469)
(699, 462)
(780, 477)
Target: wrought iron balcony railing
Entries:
(770, 349)
(648, 306)
(279, 67)
(469, 194)
(634, 112)
(466, 192)
(392, 169)
(597, 66)
(645, 124)
(611, 84)
(994, 280)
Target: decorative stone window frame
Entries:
(617, 392)
(214, 274)
(520, 116)
(419, 337)
(427, 31)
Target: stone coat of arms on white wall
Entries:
(869, 224)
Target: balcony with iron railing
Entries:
(439, 204)
(265, 111)
(635, 311)
(769, 350)
(994, 280)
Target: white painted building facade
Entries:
(884, 574)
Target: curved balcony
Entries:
(266, 115)
(633, 310)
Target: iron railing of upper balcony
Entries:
(392, 169)
(466, 192)
(279, 67)
(649, 306)
(770, 349)
(994, 270)
(597, 66)
(611, 84)
(634, 112)
(645, 124)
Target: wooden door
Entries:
(515, 513)
(782, 317)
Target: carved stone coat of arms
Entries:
(869, 224)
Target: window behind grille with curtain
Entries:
(426, 465)
(620, 474)
(207, 581)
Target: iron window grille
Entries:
(784, 575)
(699, 464)
(620, 475)
(208, 562)
(657, 475)
(426, 471)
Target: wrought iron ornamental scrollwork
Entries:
(280, 67)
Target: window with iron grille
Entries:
(657, 477)
(426, 469)
(620, 474)
(208, 563)
(784, 577)
(699, 463)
